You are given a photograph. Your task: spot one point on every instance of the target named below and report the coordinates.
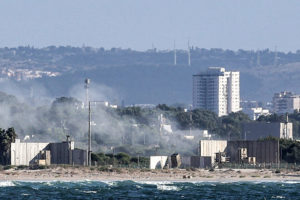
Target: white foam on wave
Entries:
(277, 197)
(6, 184)
(167, 187)
(291, 182)
(161, 185)
(90, 192)
(110, 183)
(155, 182)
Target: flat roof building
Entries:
(217, 90)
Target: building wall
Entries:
(234, 92)
(26, 153)
(211, 147)
(286, 130)
(60, 153)
(158, 162)
(264, 151)
(185, 161)
(205, 162)
(258, 130)
(79, 157)
(217, 90)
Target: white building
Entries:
(285, 102)
(217, 90)
(255, 113)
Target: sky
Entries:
(141, 24)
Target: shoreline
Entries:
(145, 175)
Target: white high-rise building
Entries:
(217, 90)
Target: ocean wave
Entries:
(162, 185)
(7, 184)
(149, 189)
(167, 187)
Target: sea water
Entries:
(148, 190)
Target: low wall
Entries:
(185, 161)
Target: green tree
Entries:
(6, 138)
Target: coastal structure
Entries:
(259, 130)
(209, 148)
(285, 102)
(266, 151)
(215, 152)
(217, 90)
(247, 151)
(27, 153)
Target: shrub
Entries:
(22, 167)
(123, 158)
(7, 167)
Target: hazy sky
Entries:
(137, 24)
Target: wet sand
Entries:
(119, 174)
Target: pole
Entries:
(89, 137)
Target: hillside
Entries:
(144, 77)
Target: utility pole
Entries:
(90, 132)
(191, 122)
(189, 54)
(89, 137)
(86, 86)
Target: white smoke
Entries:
(35, 114)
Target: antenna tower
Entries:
(189, 54)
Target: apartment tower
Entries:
(217, 90)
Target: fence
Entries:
(293, 166)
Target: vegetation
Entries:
(6, 138)
(290, 151)
(120, 159)
(63, 56)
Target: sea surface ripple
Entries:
(148, 190)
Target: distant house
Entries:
(285, 102)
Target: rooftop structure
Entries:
(217, 90)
